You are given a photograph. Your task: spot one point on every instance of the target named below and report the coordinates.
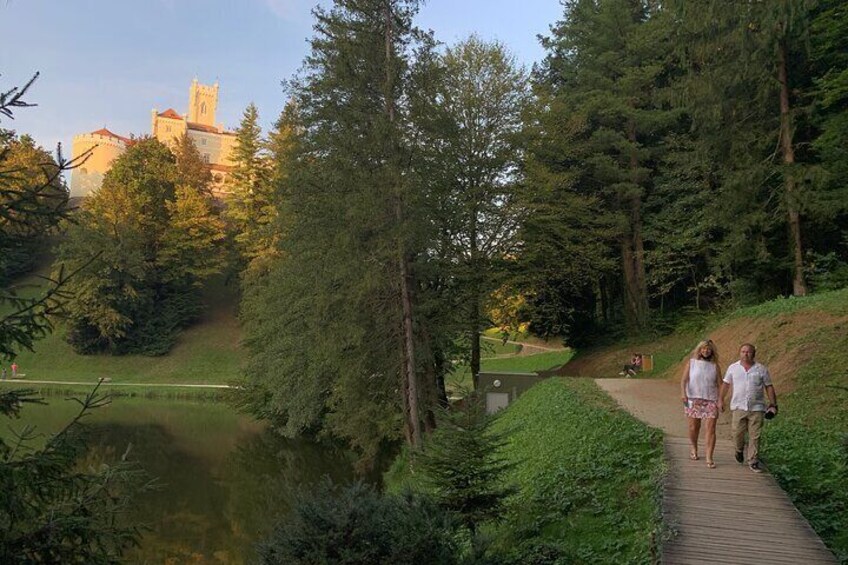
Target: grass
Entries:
(209, 352)
(588, 479)
(589, 476)
(460, 379)
(806, 446)
(491, 346)
(834, 302)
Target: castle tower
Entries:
(101, 147)
(202, 103)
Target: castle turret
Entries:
(202, 103)
(100, 148)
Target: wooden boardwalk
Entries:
(724, 515)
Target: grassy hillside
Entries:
(587, 477)
(208, 352)
(803, 342)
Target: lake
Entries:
(223, 477)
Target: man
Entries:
(750, 382)
(14, 370)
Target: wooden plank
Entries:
(714, 511)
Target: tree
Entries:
(750, 76)
(463, 467)
(25, 166)
(472, 127)
(334, 329)
(250, 205)
(601, 87)
(50, 509)
(359, 525)
(151, 243)
(192, 171)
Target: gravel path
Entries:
(658, 404)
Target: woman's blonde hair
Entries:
(697, 353)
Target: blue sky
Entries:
(109, 62)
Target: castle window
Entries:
(167, 129)
(203, 107)
(206, 157)
(202, 141)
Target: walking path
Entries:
(106, 383)
(722, 515)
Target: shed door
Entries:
(496, 401)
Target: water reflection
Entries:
(223, 479)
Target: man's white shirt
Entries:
(748, 386)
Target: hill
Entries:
(208, 352)
(803, 342)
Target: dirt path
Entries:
(657, 403)
(713, 511)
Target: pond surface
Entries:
(223, 478)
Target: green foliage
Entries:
(465, 471)
(324, 321)
(149, 244)
(209, 352)
(469, 118)
(358, 525)
(806, 445)
(32, 199)
(588, 475)
(51, 510)
(250, 205)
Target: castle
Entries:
(214, 143)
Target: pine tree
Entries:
(333, 330)
(250, 205)
(749, 76)
(53, 510)
(604, 78)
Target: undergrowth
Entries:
(806, 447)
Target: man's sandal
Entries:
(693, 456)
(711, 464)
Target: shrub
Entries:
(358, 525)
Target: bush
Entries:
(358, 525)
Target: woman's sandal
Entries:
(711, 464)
(693, 456)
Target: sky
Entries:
(108, 63)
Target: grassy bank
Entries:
(209, 352)
(589, 476)
(460, 379)
(588, 479)
(806, 446)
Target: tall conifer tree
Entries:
(606, 69)
(335, 342)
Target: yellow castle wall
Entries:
(88, 176)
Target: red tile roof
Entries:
(222, 168)
(106, 133)
(170, 113)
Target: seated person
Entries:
(634, 366)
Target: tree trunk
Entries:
(405, 277)
(474, 314)
(633, 251)
(474, 334)
(799, 286)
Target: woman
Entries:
(699, 389)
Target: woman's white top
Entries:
(702, 380)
